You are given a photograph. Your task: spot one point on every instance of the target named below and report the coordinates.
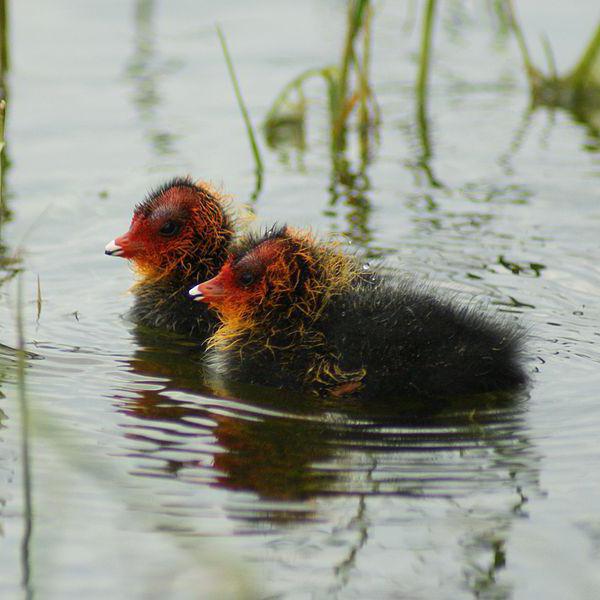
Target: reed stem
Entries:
(238, 94)
(25, 454)
(590, 59)
(2, 115)
(425, 53)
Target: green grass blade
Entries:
(243, 110)
(25, 454)
(421, 94)
(425, 53)
(587, 70)
(532, 73)
(3, 38)
(290, 87)
(2, 115)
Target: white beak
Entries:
(113, 249)
(196, 294)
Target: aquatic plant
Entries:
(3, 47)
(577, 91)
(421, 93)
(351, 101)
(4, 214)
(3, 209)
(348, 91)
(8, 264)
(145, 71)
(258, 170)
(25, 448)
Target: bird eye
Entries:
(246, 278)
(169, 228)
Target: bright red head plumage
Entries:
(178, 226)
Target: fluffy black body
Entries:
(404, 339)
(166, 305)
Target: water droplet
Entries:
(366, 266)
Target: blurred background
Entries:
(453, 139)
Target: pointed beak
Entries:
(122, 246)
(196, 294)
(208, 291)
(113, 249)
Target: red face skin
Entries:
(166, 231)
(243, 285)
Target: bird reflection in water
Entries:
(291, 452)
(249, 445)
(285, 446)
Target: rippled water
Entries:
(152, 478)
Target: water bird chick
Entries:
(299, 313)
(178, 236)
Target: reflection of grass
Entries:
(249, 129)
(349, 95)
(145, 71)
(285, 128)
(347, 84)
(577, 91)
(25, 456)
(421, 93)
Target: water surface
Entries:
(152, 478)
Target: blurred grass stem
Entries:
(25, 455)
(238, 94)
(578, 90)
(422, 89)
(347, 86)
(3, 37)
(2, 161)
(425, 53)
